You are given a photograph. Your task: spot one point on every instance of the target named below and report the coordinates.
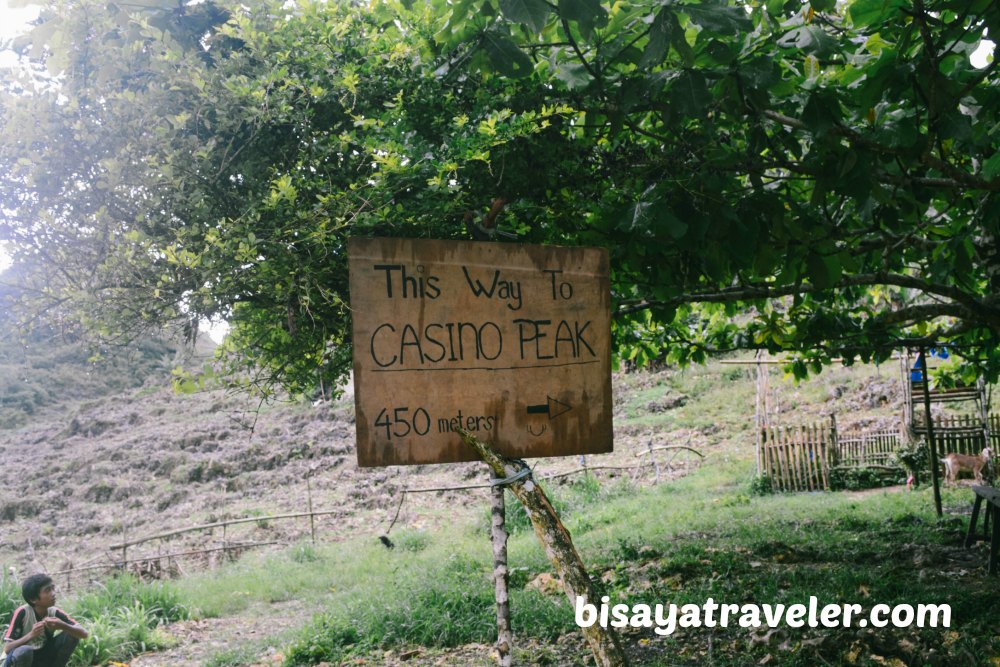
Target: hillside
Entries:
(147, 460)
(86, 474)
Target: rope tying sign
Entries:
(506, 481)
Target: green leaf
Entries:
(809, 39)
(720, 53)
(689, 95)
(532, 13)
(574, 75)
(823, 272)
(721, 20)
(991, 168)
(775, 7)
(955, 125)
(680, 43)
(867, 12)
(588, 14)
(505, 57)
(821, 112)
(659, 40)
(823, 5)
(664, 220)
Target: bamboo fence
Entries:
(863, 448)
(799, 458)
(964, 434)
(152, 563)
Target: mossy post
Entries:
(501, 573)
(558, 546)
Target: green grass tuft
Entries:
(160, 600)
(10, 598)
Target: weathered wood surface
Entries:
(501, 576)
(992, 498)
(510, 342)
(798, 458)
(558, 545)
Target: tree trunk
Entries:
(558, 546)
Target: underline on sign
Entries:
(488, 368)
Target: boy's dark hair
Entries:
(31, 587)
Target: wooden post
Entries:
(930, 432)
(825, 458)
(984, 412)
(124, 546)
(817, 435)
(656, 465)
(834, 440)
(757, 422)
(910, 408)
(501, 573)
(309, 497)
(795, 446)
(762, 405)
(765, 462)
(558, 546)
(786, 461)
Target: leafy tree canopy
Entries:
(819, 178)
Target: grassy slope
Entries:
(686, 542)
(678, 541)
(702, 536)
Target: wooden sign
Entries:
(510, 342)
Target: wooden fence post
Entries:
(558, 544)
(930, 432)
(834, 440)
(124, 546)
(501, 573)
(309, 497)
(656, 464)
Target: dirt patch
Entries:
(197, 641)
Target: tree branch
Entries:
(970, 306)
(959, 178)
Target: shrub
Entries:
(122, 617)
(760, 485)
(851, 479)
(914, 457)
(118, 635)
(325, 640)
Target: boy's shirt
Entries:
(16, 629)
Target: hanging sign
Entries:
(511, 342)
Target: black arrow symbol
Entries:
(552, 408)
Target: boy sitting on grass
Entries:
(30, 641)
